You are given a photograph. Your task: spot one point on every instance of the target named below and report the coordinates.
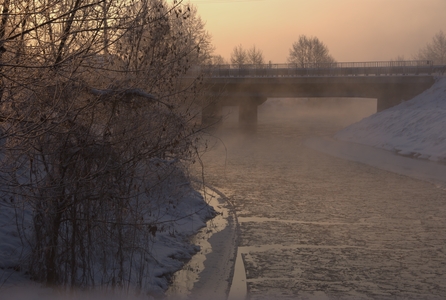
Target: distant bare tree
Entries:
(255, 56)
(398, 58)
(218, 60)
(309, 51)
(398, 61)
(239, 56)
(435, 50)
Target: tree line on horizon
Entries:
(310, 50)
(435, 50)
(305, 51)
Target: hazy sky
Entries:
(353, 30)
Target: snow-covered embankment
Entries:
(392, 138)
(414, 128)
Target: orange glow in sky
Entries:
(353, 30)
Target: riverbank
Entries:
(170, 247)
(415, 128)
(209, 274)
(407, 139)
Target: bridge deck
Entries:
(323, 69)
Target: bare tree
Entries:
(218, 60)
(435, 50)
(191, 30)
(94, 118)
(398, 61)
(239, 56)
(398, 58)
(309, 51)
(255, 56)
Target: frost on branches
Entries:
(98, 126)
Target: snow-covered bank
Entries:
(208, 274)
(414, 128)
(179, 210)
(391, 139)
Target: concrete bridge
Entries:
(248, 86)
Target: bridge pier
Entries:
(247, 113)
(385, 102)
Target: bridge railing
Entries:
(320, 69)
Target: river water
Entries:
(317, 227)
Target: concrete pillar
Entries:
(211, 115)
(248, 113)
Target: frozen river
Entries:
(317, 227)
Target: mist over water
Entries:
(339, 112)
(315, 227)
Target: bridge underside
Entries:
(249, 93)
(212, 113)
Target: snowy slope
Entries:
(169, 249)
(415, 128)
